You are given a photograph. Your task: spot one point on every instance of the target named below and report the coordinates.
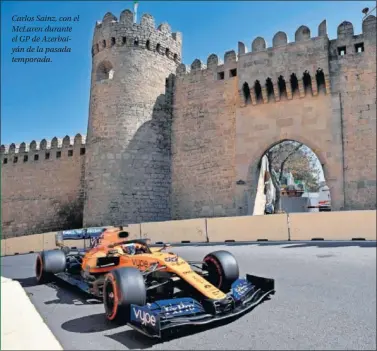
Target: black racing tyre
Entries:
(122, 288)
(49, 263)
(222, 269)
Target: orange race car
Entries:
(148, 288)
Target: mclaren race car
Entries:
(148, 288)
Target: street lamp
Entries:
(366, 11)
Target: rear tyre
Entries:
(122, 288)
(49, 263)
(222, 269)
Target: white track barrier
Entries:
(22, 328)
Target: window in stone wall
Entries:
(307, 80)
(158, 46)
(220, 76)
(246, 93)
(36, 157)
(148, 45)
(26, 158)
(58, 154)
(103, 43)
(294, 83)
(342, 51)
(124, 40)
(233, 73)
(359, 47)
(5, 161)
(269, 88)
(112, 41)
(105, 71)
(175, 57)
(320, 78)
(47, 156)
(82, 151)
(258, 91)
(70, 153)
(136, 42)
(282, 86)
(15, 160)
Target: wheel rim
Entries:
(110, 298)
(38, 267)
(215, 276)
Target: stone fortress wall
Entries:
(42, 185)
(167, 141)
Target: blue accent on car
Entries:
(77, 234)
(240, 288)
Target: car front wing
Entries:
(159, 316)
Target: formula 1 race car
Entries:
(147, 288)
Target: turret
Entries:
(128, 152)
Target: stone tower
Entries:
(127, 172)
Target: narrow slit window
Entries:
(282, 87)
(269, 88)
(246, 93)
(258, 91)
(294, 83)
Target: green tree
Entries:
(294, 157)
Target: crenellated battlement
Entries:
(113, 33)
(35, 150)
(260, 51)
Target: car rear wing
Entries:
(92, 234)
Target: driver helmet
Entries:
(129, 249)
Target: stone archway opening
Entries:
(291, 178)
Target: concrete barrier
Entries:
(22, 328)
(248, 228)
(24, 244)
(188, 230)
(3, 242)
(49, 241)
(344, 225)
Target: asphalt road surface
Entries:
(325, 300)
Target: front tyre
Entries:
(222, 268)
(49, 263)
(122, 288)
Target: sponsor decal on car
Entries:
(94, 241)
(144, 317)
(140, 264)
(240, 288)
(171, 259)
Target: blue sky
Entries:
(51, 99)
